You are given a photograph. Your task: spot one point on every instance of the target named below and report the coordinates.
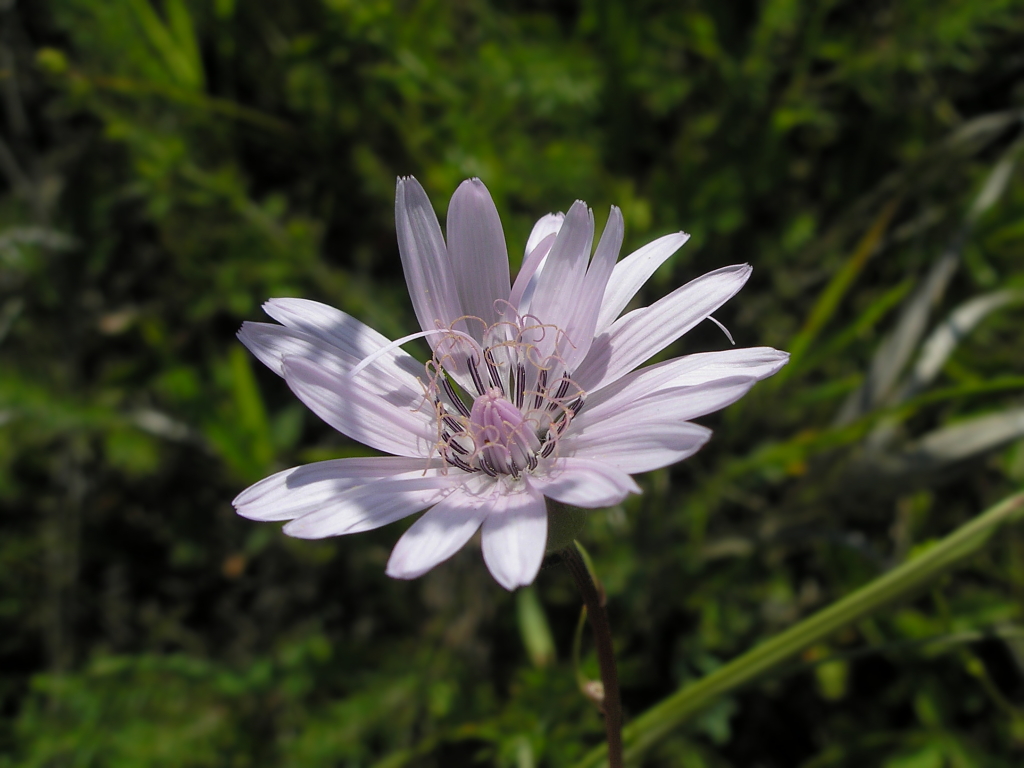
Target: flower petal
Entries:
(439, 534)
(666, 406)
(526, 281)
(701, 368)
(428, 272)
(514, 537)
(300, 490)
(560, 282)
(546, 225)
(327, 324)
(393, 379)
(632, 272)
(375, 504)
(353, 409)
(638, 335)
(579, 330)
(584, 482)
(476, 250)
(644, 447)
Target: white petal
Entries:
(479, 259)
(586, 483)
(300, 490)
(638, 335)
(393, 379)
(529, 274)
(428, 272)
(376, 503)
(701, 368)
(328, 324)
(439, 534)
(560, 282)
(353, 409)
(579, 330)
(632, 272)
(546, 225)
(672, 405)
(514, 537)
(646, 446)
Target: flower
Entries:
(531, 391)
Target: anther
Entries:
(492, 369)
(475, 374)
(542, 385)
(453, 396)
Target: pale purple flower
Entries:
(531, 391)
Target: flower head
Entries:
(530, 393)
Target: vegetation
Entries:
(167, 165)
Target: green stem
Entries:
(902, 581)
(598, 616)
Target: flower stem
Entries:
(598, 616)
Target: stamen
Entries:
(520, 384)
(492, 369)
(542, 385)
(453, 396)
(475, 374)
(563, 387)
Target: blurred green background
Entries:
(167, 165)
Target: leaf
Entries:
(898, 584)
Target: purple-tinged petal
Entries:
(353, 409)
(526, 281)
(515, 534)
(636, 336)
(579, 330)
(632, 272)
(646, 446)
(428, 272)
(394, 380)
(439, 534)
(327, 324)
(672, 405)
(300, 490)
(561, 280)
(545, 226)
(701, 368)
(375, 504)
(586, 483)
(479, 259)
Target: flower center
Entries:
(522, 399)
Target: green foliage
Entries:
(167, 165)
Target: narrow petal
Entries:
(514, 537)
(526, 281)
(673, 405)
(327, 324)
(545, 226)
(375, 504)
(479, 259)
(351, 408)
(394, 382)
(428, 272)
(579, 330)
(632, 272)
(650, 446)
(300, 490)
(636, 336)
(701, 368)
(561, 279)
(439, 534)
(584, 482)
